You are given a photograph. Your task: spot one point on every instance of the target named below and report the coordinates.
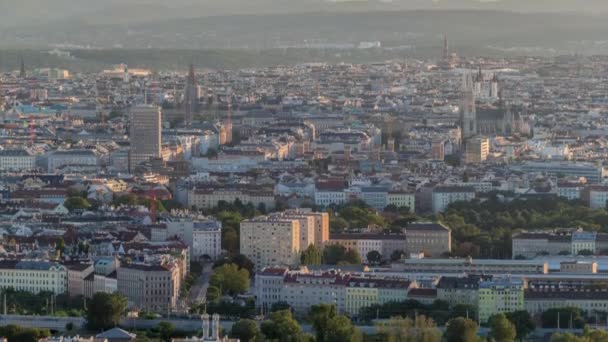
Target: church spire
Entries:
(22, 73)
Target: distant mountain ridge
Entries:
(24, 13)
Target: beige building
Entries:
(271, 241)
(320, 224)
(385, 244)
(434, 239)
(150, 287)
(477, 150)
(77, 273)
(144, 134)
(578, 267)
(209, 198)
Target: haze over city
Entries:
(303, 170)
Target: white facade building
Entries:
(17, 160)
(33, 276)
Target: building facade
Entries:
(271, 241)
(144, 134)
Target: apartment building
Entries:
(77, 273)
(500, 296)
(401, 199)
(203, 237)
(432, 239)
(17, 160)
(150, 287)
(445, 195)
(349, 292)
(385, 244)
(320, 221)
(33, 276)
(271, 241)
(207, 198)
(459, 290)
(558, 242)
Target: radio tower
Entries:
(229, 121)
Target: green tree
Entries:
(374, 257)
(280, 306)
(423, 329)
(245, 330)
(281, 326)
(320, 315)
(565, 315)
(230, 279)
(589, 335)
(311, 256)
(352, 257)
(165, 330)
(20, 334)
(213, 293)
(502, 330)
(464, 310)
(341, 329)
(567, 337)
(76, 203)
(461, 330)
(230, 240)
(524, 324)
(397, 254)
(105, 310)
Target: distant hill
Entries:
(559, 32)
(25, 13)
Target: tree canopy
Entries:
(501, 329)
(230, 279)
(311, 256)
(245, 330)
(105, 310)
(422, 329)
(461, 330)
(339, 255)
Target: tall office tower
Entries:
(191, 96)
(145, 134)
(468, 113)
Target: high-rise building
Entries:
(145, 134)
(477, 149)
(468, 113)
(191, 96)
(271, 241)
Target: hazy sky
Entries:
(31, 12)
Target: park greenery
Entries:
(15, 333)
(483, 228)
(230, 279)
(588, 335)
(105, 310)
(43, 303)
(439, 311)
(420, 328)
